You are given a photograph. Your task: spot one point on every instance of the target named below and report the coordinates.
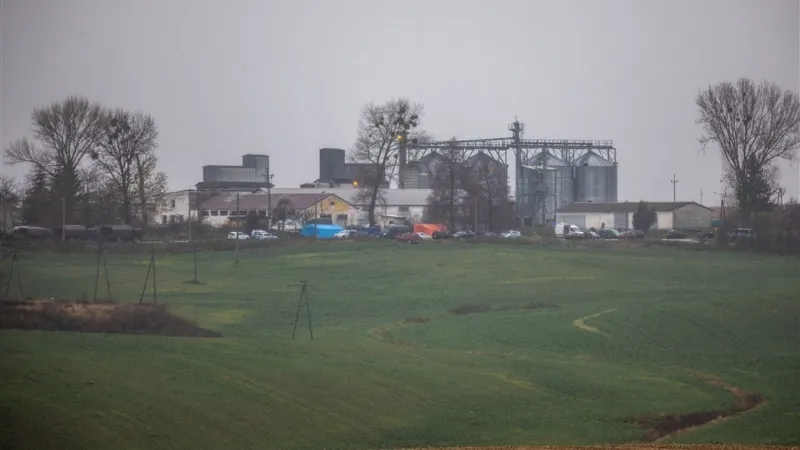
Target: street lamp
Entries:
(269, 176)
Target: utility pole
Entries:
(674, 182)
(701, 196)
(475, 225)
(269, 198)
(63, 219)
(516, 129)
(237, 226)
(189, 200)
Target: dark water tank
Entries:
(331, 164)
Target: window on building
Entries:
(262, 213)
(214, 213)
(163, 220)
(223, 213)
(325, 216)
(172, 203)
(341, 218)
(204, 213)
(402, 209)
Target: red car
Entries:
(408, 238)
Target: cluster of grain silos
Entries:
(550, 183)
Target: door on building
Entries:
(621, 220)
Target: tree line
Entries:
(87, 164)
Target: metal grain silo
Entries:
(550, 185)
(595, 179)
(331, 164)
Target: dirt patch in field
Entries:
(386, 335)
(619, 447)
(471, 308)
(416, 319)
(661, 426)
(539, 305)
(86, 317)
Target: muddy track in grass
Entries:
(664, 426)
(619, 447)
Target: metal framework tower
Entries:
(526, 152)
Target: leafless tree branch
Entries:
(754, 126)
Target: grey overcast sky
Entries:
(286, 78)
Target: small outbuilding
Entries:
(670, 215)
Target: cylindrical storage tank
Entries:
(331, 164)
(566, 192)
(596, 184)
(611, 186)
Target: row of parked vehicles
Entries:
(120, 233)
(569, 231)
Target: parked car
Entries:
(395, 230)
(742, 233)
(234, 235)
(675, 234)
(609, 233)
(463, 235)
(442, 234)
(633, 234)
(424, 236)
(710, 234)
(261, 235)
(346, 234)
(589, 234)
(511, 234)
(408, 238)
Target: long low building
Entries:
(343, 205)
(392, 203)
(677, 215)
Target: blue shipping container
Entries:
(322, 231)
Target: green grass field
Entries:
(576, 341)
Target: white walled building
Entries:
(409, 203)
(678, 215)
(176, 207)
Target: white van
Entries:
(568, 231)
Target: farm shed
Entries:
(677, 215)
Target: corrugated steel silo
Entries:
(331, 164)
(595, 179)
(552, 184)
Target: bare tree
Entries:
(126, 137)
(450, 179)
(489, 183)
(10, 197)
(64, 132)
(102, 202)
(380, 131)
(152, 185)
(754, 127)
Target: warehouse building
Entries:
(219, 210)
(679, 215)
(252, 174)
(346, 206)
